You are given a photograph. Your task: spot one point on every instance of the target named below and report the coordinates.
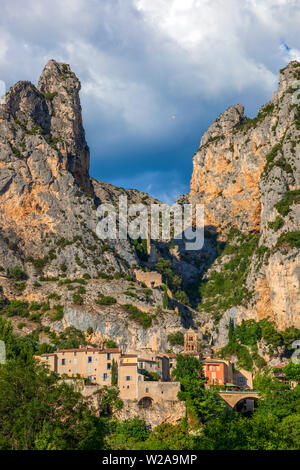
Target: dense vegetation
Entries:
(40, 411)
(226, 288)
(244, 339)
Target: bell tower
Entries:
(190, 341)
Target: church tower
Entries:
(190, 341)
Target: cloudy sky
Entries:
(154, 73)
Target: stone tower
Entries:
(190, 341)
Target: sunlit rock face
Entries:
(241, 171)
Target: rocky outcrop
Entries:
(166, 411)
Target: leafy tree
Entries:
(37, 411)
(230, 330)
(292, 372)
(127, 434)
(176, 338)
(16, 273)
(165, 299)
(114, 380)
(110, 344)
(182, 297)
(201, 403)
(168, 437)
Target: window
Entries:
(108, 366)
(47, 358)
(108, 356)
(127, 377)
(90, 359)
(75, 353)
(90, 369)
(63, 371)
(140, 365)
(105, 377)
(147, 390)
(75, 360)
(63, 362)
(75, 370)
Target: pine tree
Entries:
(113, 373)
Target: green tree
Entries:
(165, 299)
(114, 380)
(230, 330)
(37, 411)
(16, 273)
(292, 372)
(201, 404)
(127, 434)
(168, 437)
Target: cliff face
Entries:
(48, 221)
(247, 174)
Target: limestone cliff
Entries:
(54, 270)
(247, 174)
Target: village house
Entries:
(138, 374)
(217, 371)
(131, 370)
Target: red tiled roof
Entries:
(87, 349)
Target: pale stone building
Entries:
(151, 278)
(131, 370)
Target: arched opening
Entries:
(145, 402)
(246, 406)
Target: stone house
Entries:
(217, 371)
(132, 371)
(92, 363)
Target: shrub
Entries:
(78, 299)
(63, 268)
(35, 317)
(20, 286)
(291, 197)
(137, 315)
(290, 238)
(176, 338)
(54, 296)
(17, 308)
(106, 300)
(16, 273)
(59, 313)
(110, 344)
(277, 224)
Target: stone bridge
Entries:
(233, 398)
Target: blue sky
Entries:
(154, 73)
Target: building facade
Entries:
(217, 372)
(97, 364)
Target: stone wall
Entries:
(151, 279)
(162, 412)
(159, 391)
